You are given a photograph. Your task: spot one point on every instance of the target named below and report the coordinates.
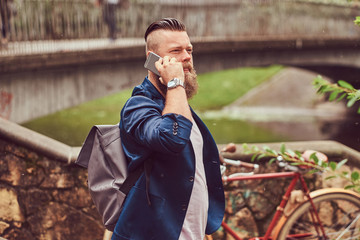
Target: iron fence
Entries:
(55, 20)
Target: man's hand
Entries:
(169, 68)
(176, 99)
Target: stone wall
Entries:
(44, 199)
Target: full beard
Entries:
(191, 83)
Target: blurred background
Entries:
(66, 65)
(54, 44)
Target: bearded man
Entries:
(182, 197)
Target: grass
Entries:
(217, 89)
(238, 131)
(71, 125)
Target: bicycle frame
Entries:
(295, 178)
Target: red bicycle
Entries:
(329, 213)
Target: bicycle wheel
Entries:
(339, 213)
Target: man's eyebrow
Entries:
(180, 46)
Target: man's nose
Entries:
(185, 56)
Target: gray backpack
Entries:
(108, 178)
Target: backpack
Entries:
(108, 179)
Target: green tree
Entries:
(338, 91)
(341, 89)
(357, 20)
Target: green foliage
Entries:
(336, 92)
(339, 91)
(357, 20)
(314, 164)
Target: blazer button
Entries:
(175, 128)
(191, 179)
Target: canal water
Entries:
(242, 130)
(285, 108)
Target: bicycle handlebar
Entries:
(231, 147)
(238, 163)
(306, 155)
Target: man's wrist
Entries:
(175, 82)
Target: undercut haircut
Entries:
(170, 24)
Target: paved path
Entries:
(288, 96)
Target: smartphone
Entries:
(150, 63)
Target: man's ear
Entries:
(147, 53)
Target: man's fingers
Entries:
(166, 59)
(169, 67)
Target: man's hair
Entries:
(171, 24)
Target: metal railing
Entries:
(55, 19)
(82, 19)
(49, 21)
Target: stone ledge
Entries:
(37, 142)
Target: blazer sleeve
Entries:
(142, 120)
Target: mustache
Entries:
(188, 65)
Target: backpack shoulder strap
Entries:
(134, 176)
(131, 180)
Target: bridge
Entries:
(39, 84)
(44, 76)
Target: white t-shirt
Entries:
(197, 212)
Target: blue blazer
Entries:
(146, 134)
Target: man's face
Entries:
(176, 44)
